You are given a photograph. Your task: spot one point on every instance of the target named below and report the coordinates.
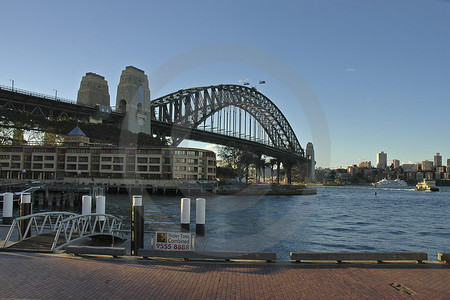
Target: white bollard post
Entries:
(185, 214)
(100, 206)
(7, 208)
(200, 204)
(86, 205)
(25, 210)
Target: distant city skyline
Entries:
(378, 69)
(440, 159)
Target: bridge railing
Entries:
(45, 96)
(79, 226)
(30, 93)
(35, 224)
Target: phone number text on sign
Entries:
(173, 241)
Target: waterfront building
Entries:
(365, 165)
(76, 157)
(427, 166)
(409, 168)
(437, 160)
(382, 160)
(95, 161)
(352, 170)
(396, 164)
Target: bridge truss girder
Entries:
(189, 108)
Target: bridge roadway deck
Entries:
(57, 276)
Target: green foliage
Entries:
(225, 173)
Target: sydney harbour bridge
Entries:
(231, 115)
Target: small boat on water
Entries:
(427, 186)
(385, 183)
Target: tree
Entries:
(240, 159)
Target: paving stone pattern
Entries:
(50, 276)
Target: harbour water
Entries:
(336, 219)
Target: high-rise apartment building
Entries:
(438, 160)
(382, 160)
(427, 165)
(396, 164)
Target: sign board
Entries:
(175, 241)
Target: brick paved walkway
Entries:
(50, 276)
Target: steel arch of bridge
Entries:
(189, 108)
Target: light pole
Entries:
(12, 84)
(24, 172)
(56, 94)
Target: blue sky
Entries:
(378, 70)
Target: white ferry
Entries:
(385, 183)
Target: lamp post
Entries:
(24, 172)
(56, 94)
(12, 84)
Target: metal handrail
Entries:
(30, 93)
(84, 225)
(49, 97)
(47, 223)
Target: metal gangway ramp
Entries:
(51, 231)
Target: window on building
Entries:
(71, 158)
(117, 168)
(118, 160)
(192, 169)
(38, 158)
(106, 158)
(83, 159)
(142, 160)
(142, 168)
(71, 166)
(106, 167)
(153, 168)
(154, 160)
(192, 161)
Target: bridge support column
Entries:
(25, 210)
(137, 224)
(185, 214)
(289, 174)
(278, 171)
(7, 208)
